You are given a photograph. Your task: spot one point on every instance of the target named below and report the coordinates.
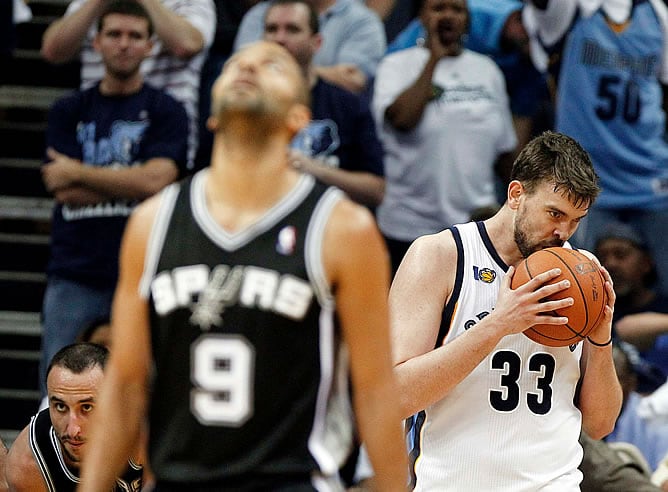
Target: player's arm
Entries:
(421, 287)
(3, 464)
(599, 394)
(62, 40)
(120, 413)
(359, 274)
(22, 472)
(131, 182)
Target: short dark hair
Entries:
(79, 357)
(558, 159)
(313, 21)
(126, 7)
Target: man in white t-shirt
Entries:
(444, 121)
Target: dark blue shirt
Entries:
(107, 131)
(342, 131)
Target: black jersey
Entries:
(250, 383)
(49, 457)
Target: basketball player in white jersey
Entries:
(493, 410)
(254, 259)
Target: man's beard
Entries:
(522, 240)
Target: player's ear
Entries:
(298, 117)
(212, 124)
(515, 191)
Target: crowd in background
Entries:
(419, 110)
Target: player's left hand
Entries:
(601, 335)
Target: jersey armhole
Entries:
(451, 304)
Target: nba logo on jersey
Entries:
(287, 239)
(486, 275)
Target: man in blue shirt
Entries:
(340, 146)
(108, 147)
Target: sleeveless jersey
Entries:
(610, 99)
(511, 425)
(251, 386)
(49, 457)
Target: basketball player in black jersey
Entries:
(243, 294)
(46, 455)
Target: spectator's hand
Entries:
(61, 172)
(77, 196)
(345, 75)
(301, 162)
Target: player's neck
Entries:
(251, 172)
(239, 193)
(504, 242)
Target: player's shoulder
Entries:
(22, 472)
(349, 217)
(144, 213)
(439, 247)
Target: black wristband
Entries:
(600, 344)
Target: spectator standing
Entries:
(353, 40)
(609, 60)
(641, 313)
(339, 146)
(184, 31)
(444, 122)
(496, 30)
(649, 435)
(255, 277)
(109, 146)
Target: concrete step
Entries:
(27, 67)
(20, 323)
(30, 208)
(22, 177)
(26, 96)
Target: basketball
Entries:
(587, 290)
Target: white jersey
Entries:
(512, 424)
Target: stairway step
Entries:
(22, 139)
(23, 252)
(27, 67)
(22, 181)
(21, 291)
(27, 208)
(20, 323)
(27, 96)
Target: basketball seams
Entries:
(583, 304)
(577, 335)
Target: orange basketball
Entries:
(587, 290)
